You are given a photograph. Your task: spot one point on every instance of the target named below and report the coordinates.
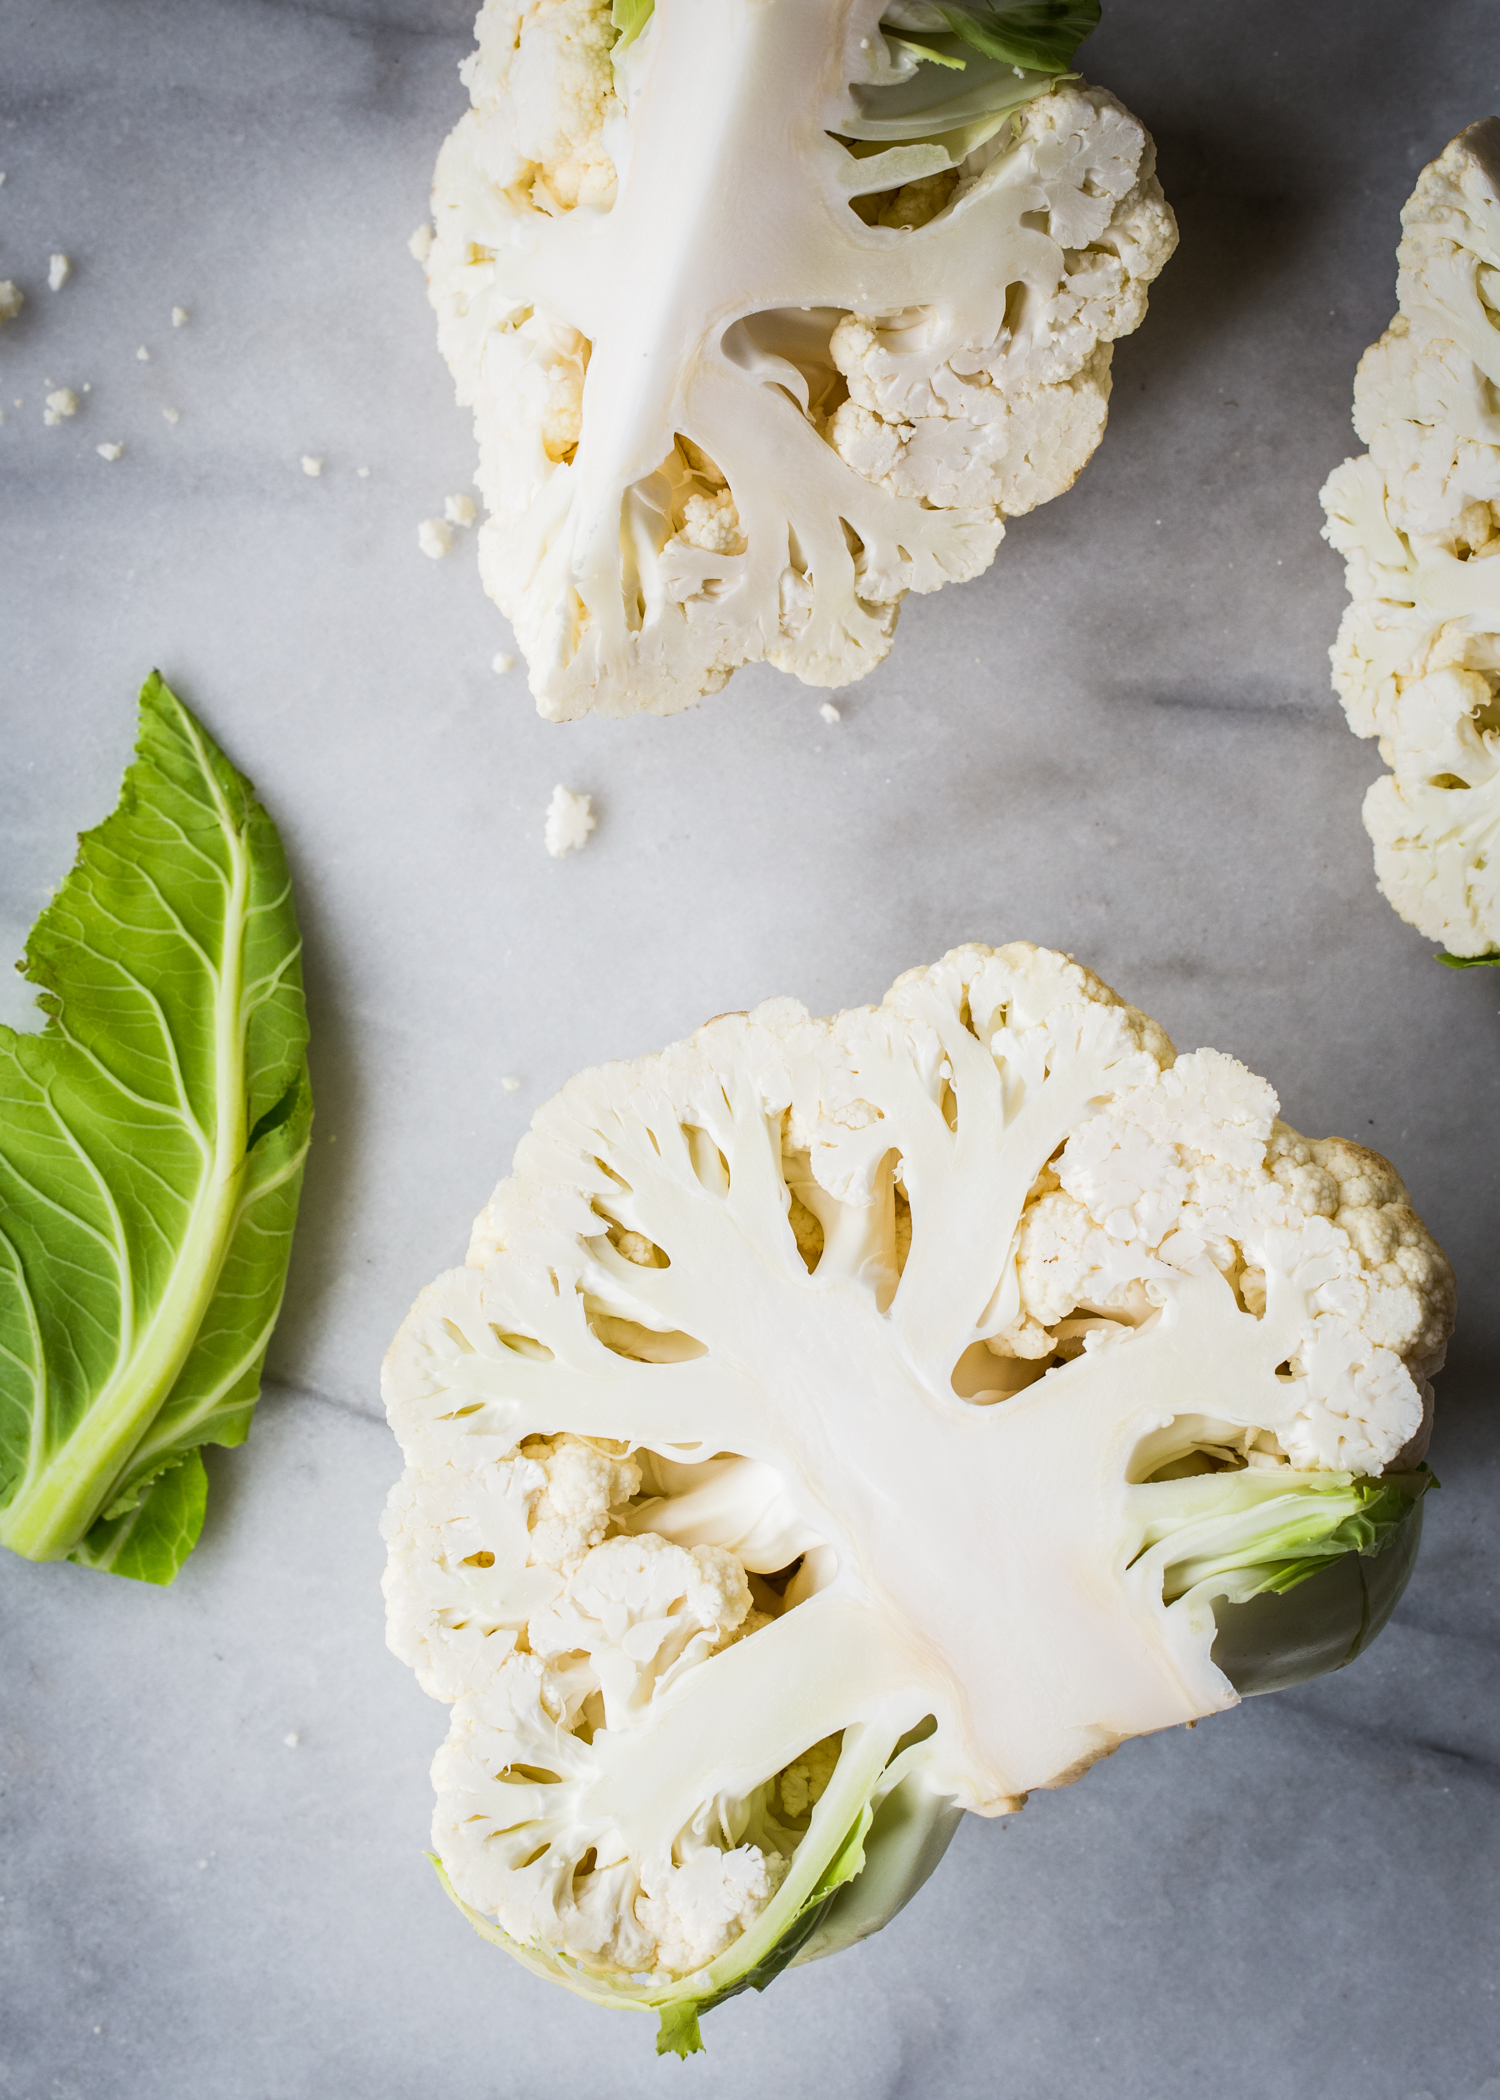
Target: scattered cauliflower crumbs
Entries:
(143, 355)
(180, 320)
(829, 712)
(171, 415)
(421, 241)
(311, 465)
(502, 662)
(61, 403)
(435, 538)
(59, 270)
(12, 299)
(511, 1086)
(570, 819)
(109, 451)
(459, 510)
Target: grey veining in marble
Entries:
(1120, 741)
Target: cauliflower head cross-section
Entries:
(1417, 519)
(795, 1442)
(755, 341)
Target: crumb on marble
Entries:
(570, 819)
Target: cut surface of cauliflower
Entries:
(796, 1439)
(738, 386)
(1417, 519)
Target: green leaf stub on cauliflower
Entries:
(842, 1423)
(768, 315)
(1417, 519)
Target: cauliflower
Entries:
(840, 1424)
(1417, 519)
(770, 311)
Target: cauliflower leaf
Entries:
(152, 1139)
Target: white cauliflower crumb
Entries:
(171, 415)
(511, 1086)
(435, 538)
(59, 270)
(829, 712)
(179, 317)
(311, 465)
(143, 355)
(420, 244)
(291, 1741)
(459, 510)
(62, 402)
(12, 299)
(570, 819)
(363, 473)
(111, 451)
(502, 661)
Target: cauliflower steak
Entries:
(843, 1423)
(769, 312)
(1417, 519)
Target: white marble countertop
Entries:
(1120, 741)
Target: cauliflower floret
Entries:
(1010, 421)
(712, 523)
(694, 1911)
(643, 1611)
(583, 1486)
(803, 1784)
(1417, 660)
(542, 85)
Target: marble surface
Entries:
(1120, 741)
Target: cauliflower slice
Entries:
(747, 363)
(1417, 519)
(811, 1449)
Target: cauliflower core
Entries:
(804, 1394)
(1417, 519)
(737, 388)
